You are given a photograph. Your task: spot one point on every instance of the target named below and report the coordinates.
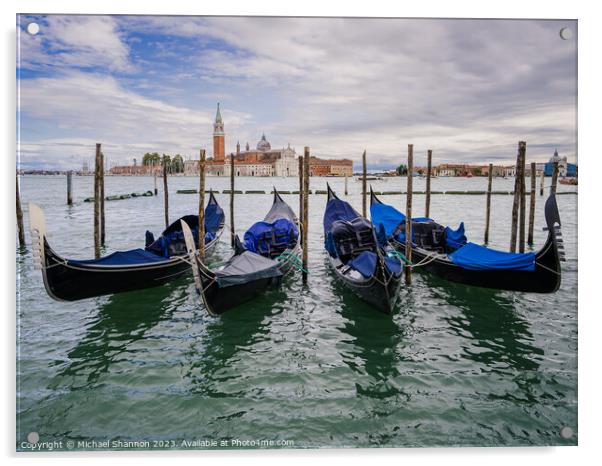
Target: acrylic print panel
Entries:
(125, 125)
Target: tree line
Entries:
(174, 164)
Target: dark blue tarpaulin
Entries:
(134, 256)
(475, 257)
(365, 263)
(389, 217)
(214, 217)
(337, 210)
(393, 265)
(262, 237)
(455, 238)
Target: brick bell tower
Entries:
(219, 143)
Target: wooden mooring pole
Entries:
(20, 230)
(232, 231)
(429, 168)
(102, 199)
(554, 178)
(364, 184)
(346, 190)
(408, 270)
(165, 192)
(532, 204)
(70, 187)
(202, 205)
(301, 170)
(97, 202)
(523, 202)
(305, 212)
(488, 208)
(541, 183)
(155, 179)
(516, 201)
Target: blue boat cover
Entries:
(263, 236)
(475, 257)
(337, 210)
(390, 217)
(393, 265)
(214, 217)
(132, 257)
(455, 239)
(365, 263)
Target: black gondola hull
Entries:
(218, 300)
(66, 281)
(381, 294)
(544, 279)
(380, 290)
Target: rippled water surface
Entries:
(312, 366)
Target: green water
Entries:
(302, 366)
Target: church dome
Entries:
(263, 145)
(555, 157)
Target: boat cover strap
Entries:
(474, 257)
(132, 257)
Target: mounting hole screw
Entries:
(33, 28)
(566, 432)
(566, 33)
(33, 437)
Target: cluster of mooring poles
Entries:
(517, 231)
(519, 200)
(518, 206)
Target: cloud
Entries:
(468, 89)
(80, 110)
(67, 41)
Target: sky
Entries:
(467, 89)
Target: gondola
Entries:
(270, 251)
(447, 253)
(161, 260)
(359, 256)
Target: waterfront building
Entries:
(564, 168)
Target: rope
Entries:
(288, 256)
(548, 268)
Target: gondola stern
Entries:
(277, 197)
(373, 198)
(331, 193)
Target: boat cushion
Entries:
(365, 263)
(247, 267)
(132, 257)
(271, 239)
(474, 257)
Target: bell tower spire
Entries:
(219, 143)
